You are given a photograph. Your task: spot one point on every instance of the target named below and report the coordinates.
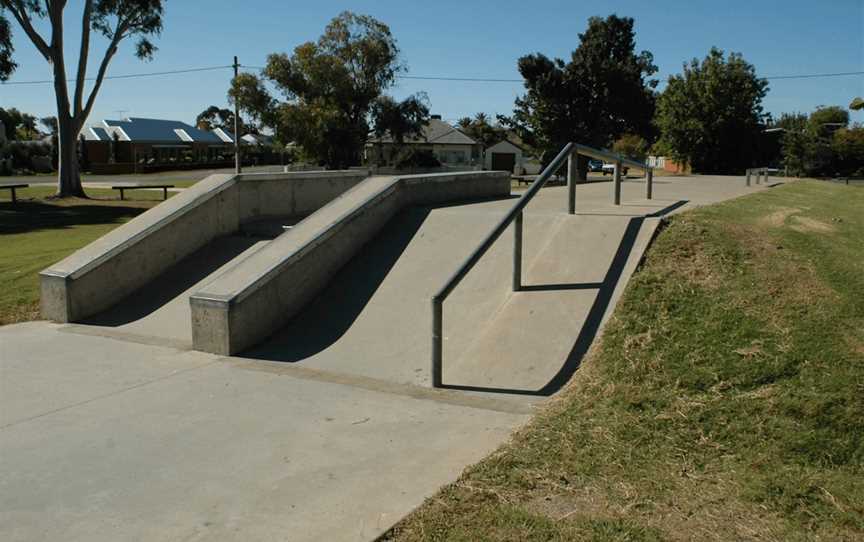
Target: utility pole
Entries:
(237, 167)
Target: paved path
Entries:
(104, 436)
(190, 175)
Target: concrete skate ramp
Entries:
(251, 301)
(159, 311)
(112, 268)
(373, 320)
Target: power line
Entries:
(814, 75)
(126, 76)
(407, 77)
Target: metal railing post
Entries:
(650, 188)
(766, 175)
(747, 178)
(517, 253)
(617, 182)
(572, 176)
(758, 176)
(514, 216)
(437, 340)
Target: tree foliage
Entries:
(215, 117)
(401, 120)
(711, 116)
(481, 130)
(18, 125)
(826, 119)
(7, 66)
(632, 146)
(603, 92)
(116, 21)
(822, 144)
(329, 87)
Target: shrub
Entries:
(418, 158)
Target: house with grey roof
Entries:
(449, 145)
(136, 145)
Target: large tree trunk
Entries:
(68, 173)
(582, 168)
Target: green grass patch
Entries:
(725, 400)
(37, 232)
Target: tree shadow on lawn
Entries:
(34, 215)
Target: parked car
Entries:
(595, 166)
(609, 169)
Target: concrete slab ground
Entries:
(109, 440)
(328, 437)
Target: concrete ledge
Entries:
(114, 266)
(257, 297)
(295, 194)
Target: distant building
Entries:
(505, 156)
(138, 145)
(449, 145)
(668, 164)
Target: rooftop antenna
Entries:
(120, 112)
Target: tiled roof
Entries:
(435, 131)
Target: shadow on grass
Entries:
(26, 216)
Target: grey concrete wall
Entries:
(111, 268)
(265, 195)
(256, 298)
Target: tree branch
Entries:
(61, 87)
(103, 67)
(24, 20)
(82, 57)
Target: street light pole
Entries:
(237, 167)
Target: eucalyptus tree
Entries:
(604, 91)
(116, 21)
(329, 89)
(711, 115)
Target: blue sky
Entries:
(466, 39)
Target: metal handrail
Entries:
(760, 172)
(609, 156)
(620, 161)
(514, 215)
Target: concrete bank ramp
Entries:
(159, 311)
(373, 320)
(226, 263)
(179, 243)
(251, 301)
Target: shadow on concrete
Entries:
(555, 287)
(174, 282)
(327, 317)
(668, 209)
(595, 314)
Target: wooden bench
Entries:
(13, 187)
(164, 188)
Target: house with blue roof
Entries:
(137, 145)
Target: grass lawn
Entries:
(36, 233)
(725, 400)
